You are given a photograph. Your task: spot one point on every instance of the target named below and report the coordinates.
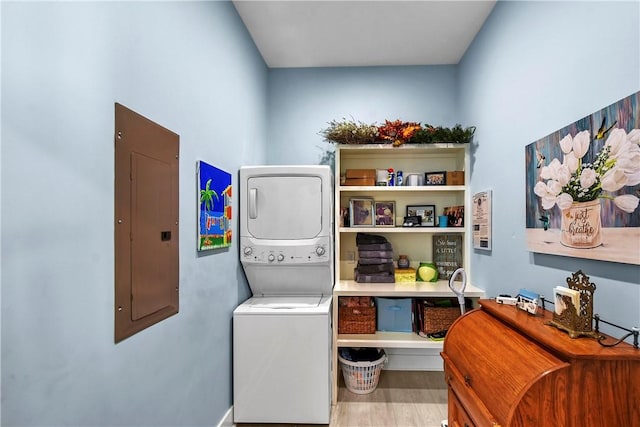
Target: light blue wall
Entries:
(534, 68)
(303, 101)
(193, 68)
(189, 66)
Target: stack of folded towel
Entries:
(375, 259)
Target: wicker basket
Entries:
(437, 319)
(357, 320)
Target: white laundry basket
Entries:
(362, 377)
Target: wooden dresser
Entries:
(507, 368)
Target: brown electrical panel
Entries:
(146, 222)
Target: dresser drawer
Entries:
(457, 416)
(475, 412)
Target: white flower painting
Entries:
(574, 180)
(597, 160)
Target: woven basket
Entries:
(357, 320)
(437, 319)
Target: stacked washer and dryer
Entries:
(282, 334)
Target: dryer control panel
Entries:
(317, 251)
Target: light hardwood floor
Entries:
(402, 399)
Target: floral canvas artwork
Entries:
(214, 207)
(583, 187)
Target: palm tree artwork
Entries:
(214, 210)
(206, 196)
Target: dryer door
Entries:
(284, 207)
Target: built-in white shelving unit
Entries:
(415, 242)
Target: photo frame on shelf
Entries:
(344, 217)
(455, 215)
(435, 178)
(385, 213)
(426, 212)
(361, 212)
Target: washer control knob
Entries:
(271, 258)
(247, 250)
(320, 251)
(280, 257)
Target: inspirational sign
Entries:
(447, 254)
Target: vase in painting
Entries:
(581, 225)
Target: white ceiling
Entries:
(362, 33)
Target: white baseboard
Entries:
(227, 420)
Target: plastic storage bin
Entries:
(361, 376)
(394, 314)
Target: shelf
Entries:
(402, 289)
(402, 188)
(401, 230)
(408, 149)
(388, 340)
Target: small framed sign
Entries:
(481, 216)
(447, 253)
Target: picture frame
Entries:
(426, 212)
(481, 217)
(361, 212)
(562, 297)
(385, 214)
(214, 207)
(455, 215)
(435, 178)
(606, 236)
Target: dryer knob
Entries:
(280, 257)
(247, 250)
(320, 251)
(271, 258)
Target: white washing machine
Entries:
(282, 334)
(282, 359)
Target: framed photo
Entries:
(385, 214)
(435, 178)
(455, 215)
(426, 212)
(563, 296)
(361, 213)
